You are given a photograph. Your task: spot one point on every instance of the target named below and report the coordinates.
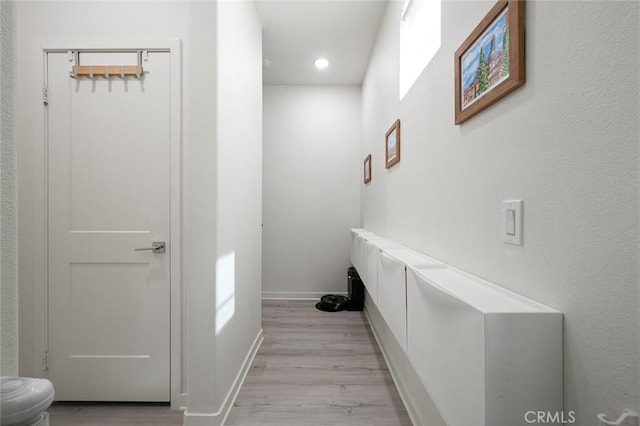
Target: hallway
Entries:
(313, 369)
(268, 165)
(317, 368)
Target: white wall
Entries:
(200, 212)
(8, 198)
(239, 202)
(566, 143)
(312, 173)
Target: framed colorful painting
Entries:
(490, 63)
(367, 169)
(392, 145)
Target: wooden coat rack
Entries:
(106, 71)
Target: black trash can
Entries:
(356, 290)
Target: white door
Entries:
(108, 194)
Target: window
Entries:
(420, 25)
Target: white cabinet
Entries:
(392, 289)
(357, 250)
(366, 247)
(486, 355)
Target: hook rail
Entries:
(106, 71)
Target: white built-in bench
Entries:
(485, 355)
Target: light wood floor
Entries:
(317, 369)
(92, 414)
(313, 369)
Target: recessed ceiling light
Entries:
(321, 63)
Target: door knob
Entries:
(156, 247)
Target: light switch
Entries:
(512, 222)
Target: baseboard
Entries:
(404, 395)
(220, 417)
(183, 402)
(227, 405)
(200, 419)
(296, 295)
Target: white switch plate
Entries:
(512, 222)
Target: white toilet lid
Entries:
(23, 398)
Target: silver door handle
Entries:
(156, 247)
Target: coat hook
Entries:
(74, 57)
(90, 71)
(122, 71)
(139, 67)
(106, 71)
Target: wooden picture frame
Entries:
(392, 145)
(367, 169)
(486, 68)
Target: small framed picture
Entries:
(490, 63)
(392, 145)
(367, 169)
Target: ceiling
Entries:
(295, 33)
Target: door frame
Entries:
(40, 312)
